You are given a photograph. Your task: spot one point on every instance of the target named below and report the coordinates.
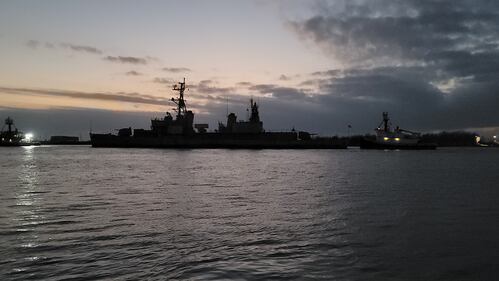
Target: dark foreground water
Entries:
(115, 214)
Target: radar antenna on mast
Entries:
(180, 102)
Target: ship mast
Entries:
(385, 122)
(180, 102)
(9, 122)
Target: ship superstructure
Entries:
(394, 138)
(179, 131)
(385, 133)
(252, 126)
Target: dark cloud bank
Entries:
(432, 64)
(76, 122)
(119, 96)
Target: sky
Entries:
(68, 66)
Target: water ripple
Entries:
(76, 213)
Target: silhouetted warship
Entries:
(180, 133)
(386, 138)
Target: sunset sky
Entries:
(315, 65)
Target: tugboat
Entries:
(11, 137)
(168, 132)
(398, 138)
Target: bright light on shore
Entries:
(28, 137)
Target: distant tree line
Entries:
(457, 138)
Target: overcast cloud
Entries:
(434, 64)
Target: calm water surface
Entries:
(77, 213)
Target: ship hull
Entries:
(261, 141)
(10, 144)
(373, 144)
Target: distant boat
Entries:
(12, 136)
(398, 138)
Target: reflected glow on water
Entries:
(28, 201)
(77, 212)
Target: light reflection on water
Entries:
(27, 204)
(77, 212)
(28, 178)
